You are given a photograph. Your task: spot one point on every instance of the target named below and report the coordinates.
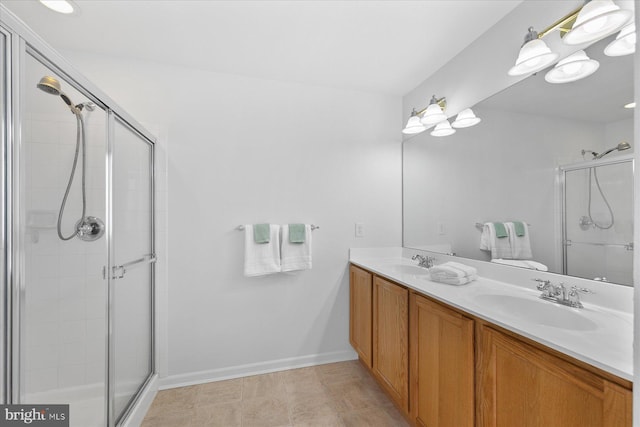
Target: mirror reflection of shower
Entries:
(87, 228)
(586, 222)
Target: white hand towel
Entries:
(520, 245)
(456, 280)
(261, 258)
(499, 247)
(296, 256)
(452, 270)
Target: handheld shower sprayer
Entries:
(624, 145)
(87, 228)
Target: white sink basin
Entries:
(537, 311)
(412, 270)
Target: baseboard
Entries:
(239, 371)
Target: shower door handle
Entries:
(118, 271)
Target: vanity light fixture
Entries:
(61, 6)
(414, 125)
(597, 19)
(574, 67)
(443, 129)
(465, 119)
(434, 113)
(624, 44)
(534, 55)
(630, 105)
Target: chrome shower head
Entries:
(51, 86)
(620, 147)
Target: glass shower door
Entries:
(132, 266)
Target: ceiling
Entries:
(377, 46)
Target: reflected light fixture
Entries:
(61, 6)
(534, 55)
(443, 129)
(465, 119)
(597, 19)
(630, 105)
(624, 44)
(414, 125)
(574, 67)
(434, 112)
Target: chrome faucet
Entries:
(559, 294)
(424, 261)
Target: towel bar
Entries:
(479, 225)
(313, 227)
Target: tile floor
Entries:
(333, 395)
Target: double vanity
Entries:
(492, 353)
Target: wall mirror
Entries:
(531, 160)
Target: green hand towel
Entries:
(261, 233)
(501, 230)
(519, 227)
(296, 233)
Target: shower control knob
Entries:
(89, 228)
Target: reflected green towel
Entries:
(519, 227)
(261, 233)
(296, 233)
(501, 230)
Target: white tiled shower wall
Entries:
(64, 292)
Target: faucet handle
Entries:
(583, 290)
(574, 296)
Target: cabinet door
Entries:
(442, 365)
(360, 319)
(520, 385)
(390, 339)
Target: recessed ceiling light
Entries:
(630, 105)
(61, 6)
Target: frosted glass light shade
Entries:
(433, 114)
(624, 44)
(414, 125)
(443, 129)
(596, 20)
(465, 119)
(574, 67)
(60, 6)
(534, 56)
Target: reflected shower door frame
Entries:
(565, 242)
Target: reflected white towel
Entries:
(499, 247)
(520, 245)
(532, 265)
(452, 270)
(296, 256)
(261, 258)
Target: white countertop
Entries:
(605, 341)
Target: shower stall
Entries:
(78, 255)
(597, 217)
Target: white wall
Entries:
(245, 150)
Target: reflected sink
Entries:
(413, 270)
(538, 312)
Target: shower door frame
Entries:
(20, 42)
(562, 171)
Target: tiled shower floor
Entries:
(337, 394)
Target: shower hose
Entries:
(595, 224)
(80, 145)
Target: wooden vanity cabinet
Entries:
(361, 313)
(441, 365)
(390, 339)
(521, 385)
